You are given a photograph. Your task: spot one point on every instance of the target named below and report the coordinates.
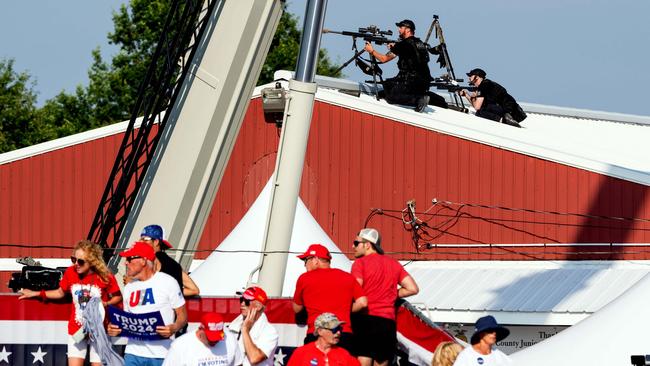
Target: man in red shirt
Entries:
(379, 276)
(324, 350)
(324, 289)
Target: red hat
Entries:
(140, 249)
(213, 326)
(255, 293)
(316, 250)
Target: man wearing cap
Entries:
(483, 352)
(324, 289)
(150, 291)
(411, 84)
(153, 235)
(491, 100)
(383, 280)
(208, 345)
(257, 338)
(325, 349)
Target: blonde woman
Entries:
(87, 277)
(446, 354)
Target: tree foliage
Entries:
(113, 86)
(17, 111)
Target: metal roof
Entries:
(548, 293)
(612, 144)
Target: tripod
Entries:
(372, 69)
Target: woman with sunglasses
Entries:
(87, 277)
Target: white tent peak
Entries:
(228, 268)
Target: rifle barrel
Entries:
(379, 39)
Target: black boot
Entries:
(422, 103)
(507, 119)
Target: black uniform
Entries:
(497, 102)
(412, 81)
(171, 267)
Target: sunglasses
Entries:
(336, 329)
(245, 301)
(129, 259)
(357, 242)
(78, 261)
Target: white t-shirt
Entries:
(469, 357)
(264, 335)
(159, 293)
(188, 350)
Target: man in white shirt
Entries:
(257, 338)
(483, 352)
(150, 292)
(208, 345)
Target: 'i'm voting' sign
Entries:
(137, 326)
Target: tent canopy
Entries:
(229, 267)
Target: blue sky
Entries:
(582, 53)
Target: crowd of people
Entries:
(411, 84)
(350, 317)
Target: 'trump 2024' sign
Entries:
(137, 326)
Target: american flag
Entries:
(35, 333)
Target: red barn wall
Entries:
(355, 162)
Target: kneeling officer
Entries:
(491, 100)
(411, 84)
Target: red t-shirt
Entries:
(82, 289)
(327, 290)
(380, 275)
(309, 354)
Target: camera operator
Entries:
(411, 84)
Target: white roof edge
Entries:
(66, 141)
(495, 138)
(335, 83)
(504, 317)
(537, 264)
(585, 113)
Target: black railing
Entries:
(185, 24)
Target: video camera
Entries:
(34, 276)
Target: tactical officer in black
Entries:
(411, 85)
(492, 101)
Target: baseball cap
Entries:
(372, 235)
(140, 249)
(213, 326)
(155, 232)
(406, 23)
(255, 293)
(327, 321)
(478, 72)
(316, 250)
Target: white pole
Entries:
(291, 153)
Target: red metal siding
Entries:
(50, 199)
(356, 162)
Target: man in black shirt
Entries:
(491, 100)
(153, 234)
(411, 85)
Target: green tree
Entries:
(17, 110)
(113, 86)
(283, 53)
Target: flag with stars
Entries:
(33, 333)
